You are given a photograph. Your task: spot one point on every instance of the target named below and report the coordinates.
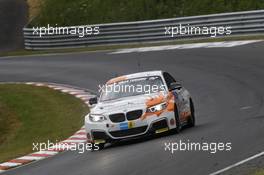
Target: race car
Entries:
(138, 104)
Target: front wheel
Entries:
(97, 147)
(191, 119)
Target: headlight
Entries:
(96, 118)
(156, 108)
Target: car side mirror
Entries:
(175, 85)
(93, 101)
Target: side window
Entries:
(168, 78)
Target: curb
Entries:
(76, 138)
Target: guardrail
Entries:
(242, 23)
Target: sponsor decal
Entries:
(127, 125)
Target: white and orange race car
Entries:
(138, 104)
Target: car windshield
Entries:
(132, 87)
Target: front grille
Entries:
(133, 115)
(120, 117)
(116, 118)
(129, 132)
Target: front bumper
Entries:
(107, 131)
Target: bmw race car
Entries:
(138, 104)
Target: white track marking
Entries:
(63, 90)
(83, 96)
(29, 83)
(39, 84)
(81, 130)
(186, 46)
(79, 136)
(81, 133)
(73, 141)
(10, 164)
(1, 171)
(31, 158)
(246, 107)
(77, 92)
(57, 88)
(47, 152)
(238, 163)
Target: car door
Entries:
(179, 96)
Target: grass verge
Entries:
(123, 46)
(35, 114)
(259, 172)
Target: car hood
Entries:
(124, 104)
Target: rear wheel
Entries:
(191, 119)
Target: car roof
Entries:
(135, 75)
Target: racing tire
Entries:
(177, 120)
(191, 119)
(99, 147)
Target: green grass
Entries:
(35, 114)
(69, 12)
(259, 172)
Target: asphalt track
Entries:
(227, 88)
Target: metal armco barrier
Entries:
(242, 23)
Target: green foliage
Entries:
(80, 12)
